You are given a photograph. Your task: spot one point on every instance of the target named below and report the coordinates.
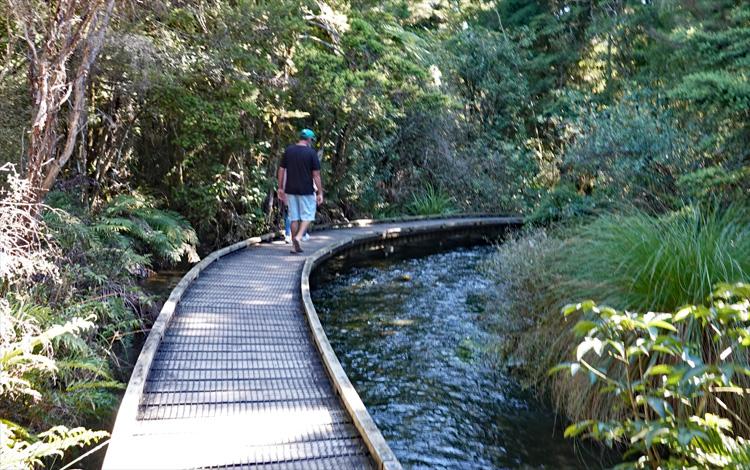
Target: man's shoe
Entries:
(305, 237)
(287, 239)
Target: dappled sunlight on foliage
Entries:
(669, 387)
(618, 128)
(25, 249)
(640, 261)
(68, 299)
(29, 337)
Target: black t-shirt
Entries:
(300, 161)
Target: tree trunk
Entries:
(54, 33)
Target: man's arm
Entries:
(281, 176)
(319, 185)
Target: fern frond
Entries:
(18, 451)
(110, 384)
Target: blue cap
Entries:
(307, 134)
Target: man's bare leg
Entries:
(295, 224)
(296, 247)
(301, 229)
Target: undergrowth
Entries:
(679, 407)
(69, 300)
(430, 201)
(633, 261)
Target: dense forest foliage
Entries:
(135, 134)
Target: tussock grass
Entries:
(642, 262)
(430, 201)
(630, 261)
(535, 336)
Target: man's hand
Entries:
(282, 195)
(318, 186)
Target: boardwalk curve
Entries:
(237, 371)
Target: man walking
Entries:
(299, 178)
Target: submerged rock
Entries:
(401, 322)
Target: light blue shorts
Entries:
(301, 207)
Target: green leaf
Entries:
(588, 344)
(659, 405)
(617, 346)
(570, 309)
(659, 369)
(685, 436)
(682, 314)
(583, 327)
(655, 433)
(663, 325)
(577, 429)
(693, 372)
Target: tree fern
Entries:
(167, 234)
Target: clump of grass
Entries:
(634, 261)
(644, 262)
(535, 337)
(430, 201)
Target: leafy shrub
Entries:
(561, 204)
(487, 73)
(629, 152)
(485, 175)
(224, 206)
(671, 394)
(715, 183)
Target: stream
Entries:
(413, 337)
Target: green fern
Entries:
(25, 357)
(18, 449)
(167, 234)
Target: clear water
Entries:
(160, 285)
(412, 336)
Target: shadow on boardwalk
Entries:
(232, 374)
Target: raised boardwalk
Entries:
(237, 372)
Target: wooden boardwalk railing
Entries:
(237, 371)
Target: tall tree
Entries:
(62, 39)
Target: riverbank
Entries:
(634, 262)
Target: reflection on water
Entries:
(161, 284)
(412, 338)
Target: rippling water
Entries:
(412, 337)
